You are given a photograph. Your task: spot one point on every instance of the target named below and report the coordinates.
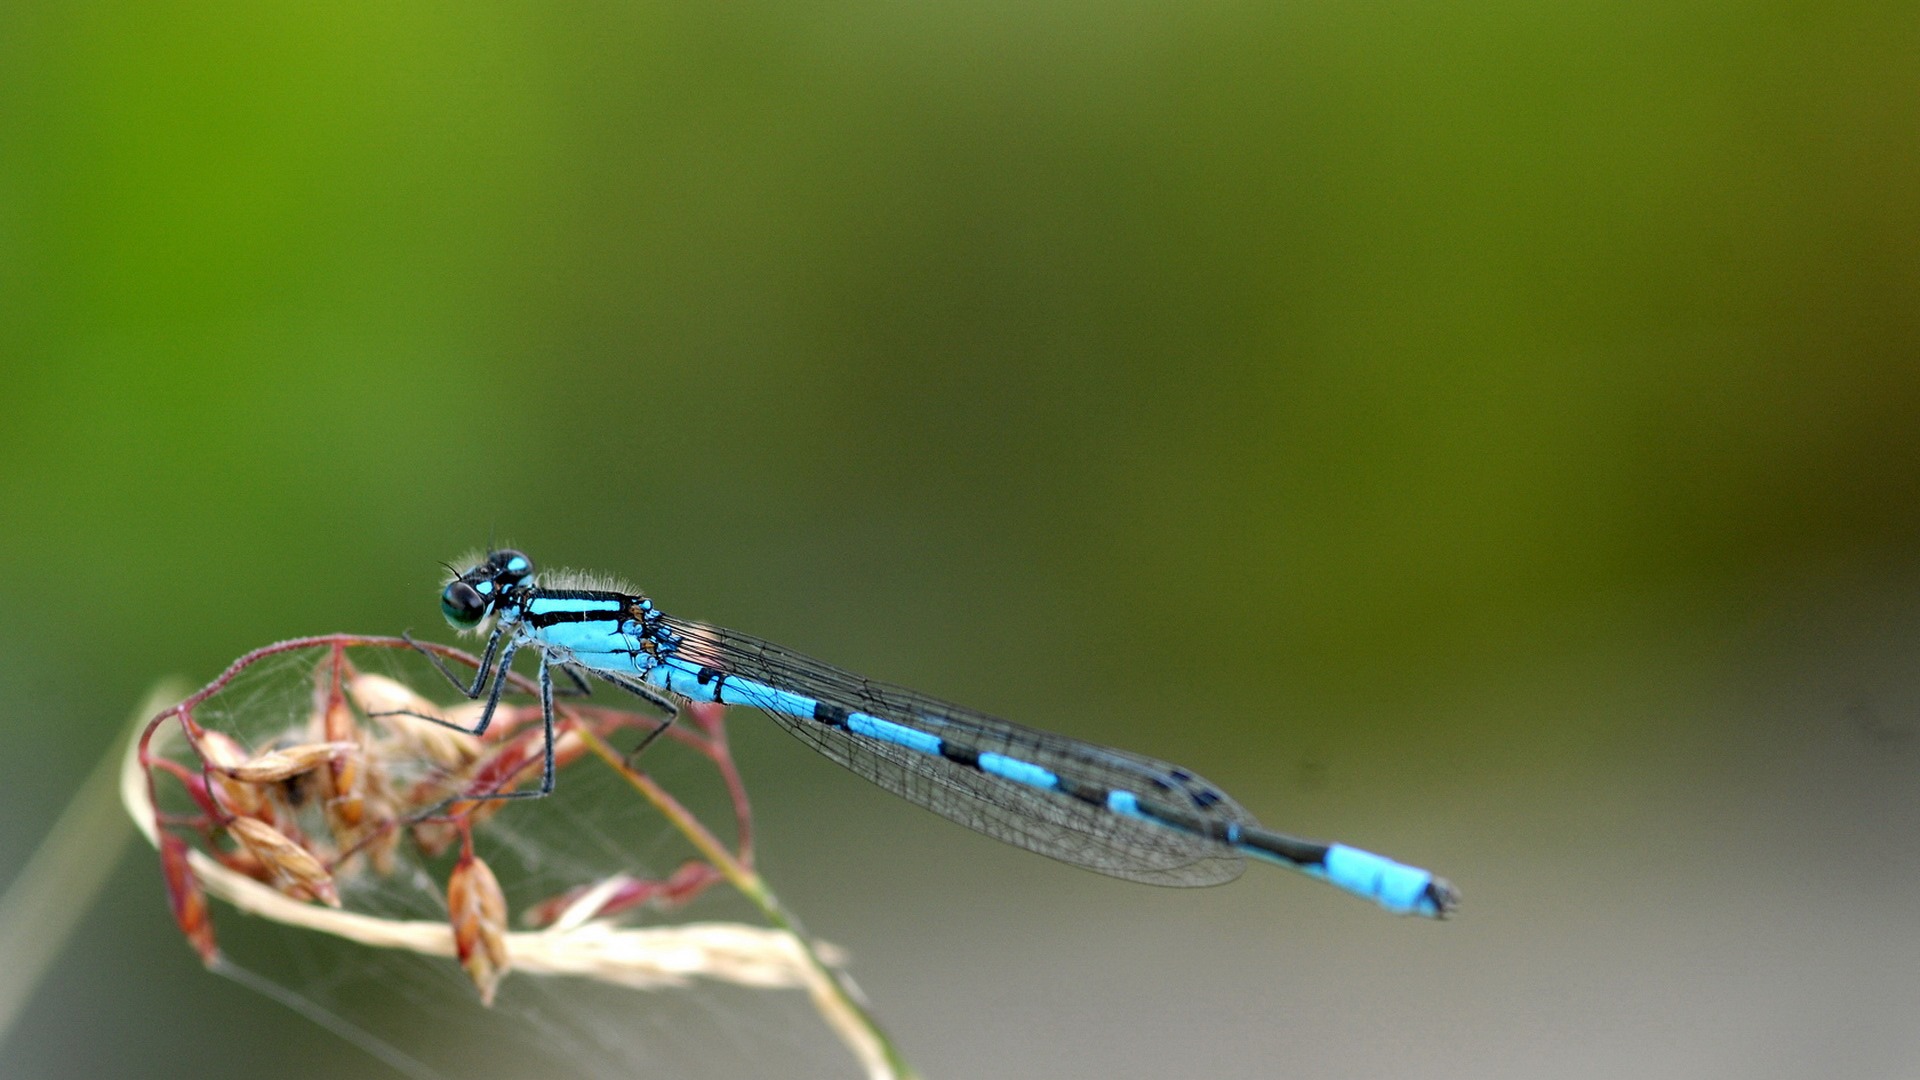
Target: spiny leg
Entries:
(547, 737)
(501, 673)
(650, 696)
(546, 723)
(479, 675)
(580, 686)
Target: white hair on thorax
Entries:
(588, 581)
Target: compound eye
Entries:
(463, 606)
(509, 566)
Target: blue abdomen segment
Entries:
(887, 731)
(698, 683)
(1020, 772)
(1401, 889)
(705, 684)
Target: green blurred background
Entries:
(1481, 432)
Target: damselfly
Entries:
(1108, 810)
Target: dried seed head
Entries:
(379, 694)
(337, 724)
(242, 861)
(222, 751)
(382, 850)
(345, 814)
(391, 702)
(185, 897)
(478, 911)
(295, 871)
(509, 765)
(223, 754)
(275, 766)
(345, 778)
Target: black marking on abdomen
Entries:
(1178, 819)
(1091, 794)
(1219, 830)
(960, 755)
(830, 715)
(1205, 798)
(1300, 852)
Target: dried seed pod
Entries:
(511, 765)
(345, 796)
(295, 870)
(223, 754)
(222, 751)
(337, 724)
(342, 795)
(345, 815)
(382, 849)
(185, 897)
(379, 694)
(242, 861)
(478, 911)
(275, 766)
(390, 702)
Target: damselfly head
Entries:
(509, 567)
(469, 598)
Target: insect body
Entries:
(1108, 810)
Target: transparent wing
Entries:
(1051, 823)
